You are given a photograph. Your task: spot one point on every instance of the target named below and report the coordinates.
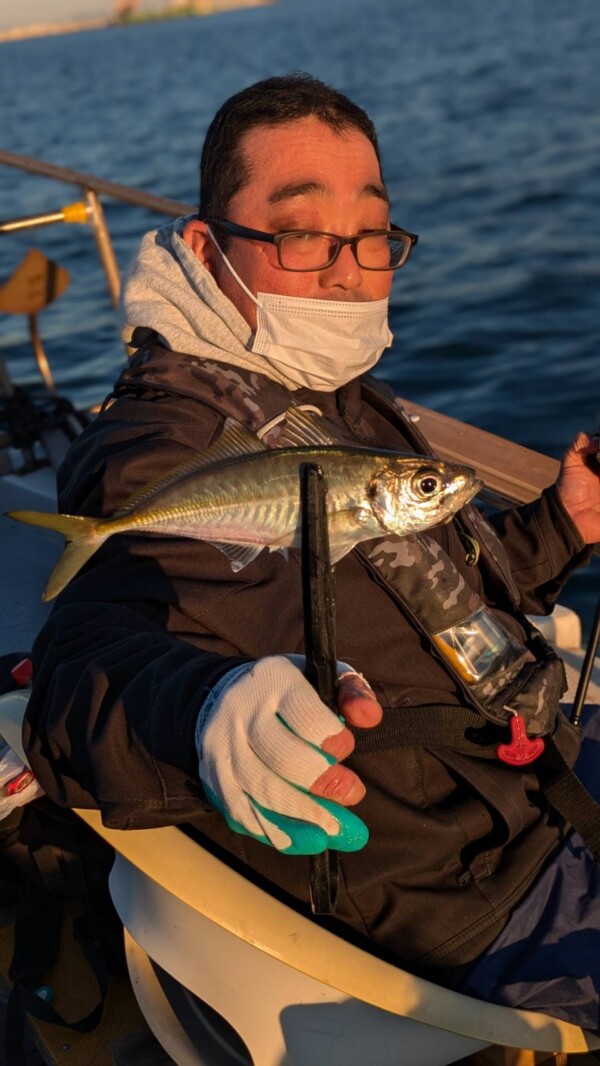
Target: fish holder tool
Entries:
(318, 601)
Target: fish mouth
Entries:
(466, 486)
(477, 486)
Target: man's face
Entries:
(303, 175)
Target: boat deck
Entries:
(122, 1038)
(27, 555)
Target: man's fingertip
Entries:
(365, 712)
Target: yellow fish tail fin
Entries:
(83, 534)
(75, 555)
(71, 526)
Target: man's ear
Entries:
(196, 236)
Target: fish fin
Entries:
(239, 555)
(278, 544)
(339, 550)
(71, 526)
(234, 440)
(302, 427)
(278, 548)
(83, 535)
(75, 555)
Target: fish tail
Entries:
(84, 538)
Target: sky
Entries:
(26, 12)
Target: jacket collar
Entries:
(157, 368)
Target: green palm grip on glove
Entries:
(306, 839)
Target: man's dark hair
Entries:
(223, 168)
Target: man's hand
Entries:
(269, 757)
(357, 704)
(578, 486)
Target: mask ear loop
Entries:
(233, 273)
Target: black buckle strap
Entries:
(431, 725)
(439, 726)
(563, 789)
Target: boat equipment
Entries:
(35, 284)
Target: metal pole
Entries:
(77, 213)
(40, 355)
(104, 245)
(14, 225)
(586, 669)
(127, 195)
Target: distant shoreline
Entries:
(53, 29)
(42, 29)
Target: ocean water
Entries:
(490, 136)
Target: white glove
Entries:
(258, 736)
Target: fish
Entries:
(242, 497)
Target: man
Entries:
(163, 676)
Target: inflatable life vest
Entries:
(511, 689)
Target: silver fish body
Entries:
(241, 497)
(255, 500)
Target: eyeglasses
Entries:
(376, 249)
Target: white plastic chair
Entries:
(197, 933)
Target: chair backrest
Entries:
(185, 869)
(173, 861)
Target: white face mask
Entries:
(319, 344)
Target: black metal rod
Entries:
(319, 640)
(586, 669)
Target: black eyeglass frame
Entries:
(235, 230)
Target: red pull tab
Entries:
(23, 673)
(19, 783)
(522, 749)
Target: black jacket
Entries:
(140, 636)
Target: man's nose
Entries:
(345, 273)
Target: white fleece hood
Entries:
(168, 289)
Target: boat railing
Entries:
(511, 473)
(91, 208)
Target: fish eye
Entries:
(427, 484)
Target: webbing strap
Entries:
(431, 725)
(569, 796)
(460, 729)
